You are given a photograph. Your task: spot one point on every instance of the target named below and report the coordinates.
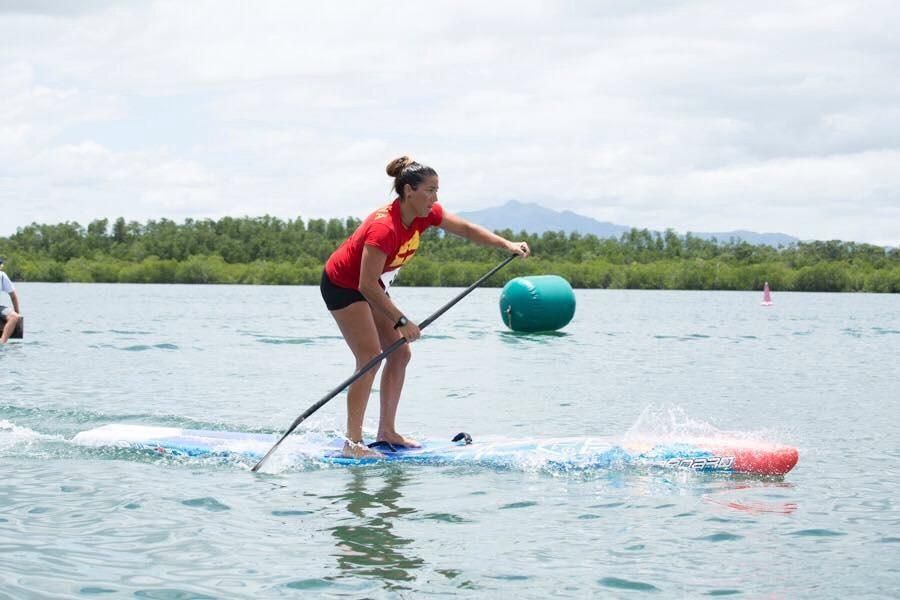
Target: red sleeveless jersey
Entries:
(384, 230)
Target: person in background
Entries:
(9, 317)
(354, 288)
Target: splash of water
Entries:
(672, 423)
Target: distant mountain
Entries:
(534, 218)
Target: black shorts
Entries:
(337, 297)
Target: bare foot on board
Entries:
(359, 450)
(395, 439)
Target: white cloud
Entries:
(775, 116)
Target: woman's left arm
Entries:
(478, 234)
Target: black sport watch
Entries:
(401, 322)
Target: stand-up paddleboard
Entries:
(698, 454)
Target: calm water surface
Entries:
(819, 371)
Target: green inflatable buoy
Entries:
(537, 303)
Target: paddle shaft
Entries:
(375, 361)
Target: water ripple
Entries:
(625, 584)
(721, 537)
(210, 504)
(824, 533)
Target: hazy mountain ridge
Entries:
(534, 218)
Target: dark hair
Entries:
(405, 170)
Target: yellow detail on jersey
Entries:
(406, 252)
(381, 212)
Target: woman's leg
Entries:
(358, 328)
(392, 377)
(9, 325)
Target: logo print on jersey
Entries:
(406, 252)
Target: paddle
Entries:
(372, 363)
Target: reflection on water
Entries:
(538, 338)
(366, 542)
(739, 494)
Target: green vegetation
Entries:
(267, 250)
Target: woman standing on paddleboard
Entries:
(353, 287)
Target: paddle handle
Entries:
(375, 361)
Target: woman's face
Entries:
(422, 198)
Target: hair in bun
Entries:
(396, 166)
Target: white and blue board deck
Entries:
(574, 453)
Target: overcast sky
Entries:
(701, 116)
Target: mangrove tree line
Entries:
(269, 250)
